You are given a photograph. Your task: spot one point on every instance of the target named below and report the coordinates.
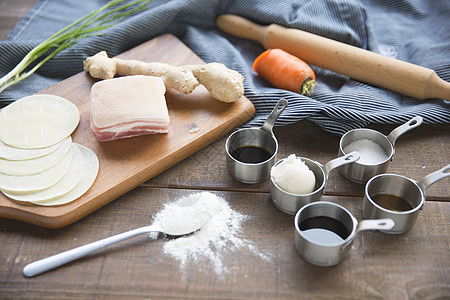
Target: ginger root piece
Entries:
(222, 83)
(174, 77)
(100, 66)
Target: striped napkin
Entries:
(416, 31)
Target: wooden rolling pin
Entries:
(363, 65)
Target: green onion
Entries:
(92, 24)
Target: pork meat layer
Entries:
(128, 106)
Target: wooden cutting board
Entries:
(125, 164)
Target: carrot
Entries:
(285, 71)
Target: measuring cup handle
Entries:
(340, 161)
(376, 224)
(428, 180)
(276, 112)
(397, 132)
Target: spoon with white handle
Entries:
(177, 219)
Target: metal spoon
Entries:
(51, 262)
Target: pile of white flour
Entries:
(218, 237)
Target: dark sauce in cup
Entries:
(251, 154)
(392, 202)
(324, 230)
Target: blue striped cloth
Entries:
(416, 31)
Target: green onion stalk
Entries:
(92, 24)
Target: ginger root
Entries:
(222, 83)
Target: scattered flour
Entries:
(218, 237)
(387, 50)
(371, 153)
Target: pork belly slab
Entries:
(128, 106)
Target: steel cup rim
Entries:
(393, 212)
(346, 241)
(387, 160)
(227, 147)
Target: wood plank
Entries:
(11, 11)
(410, 266)
(380, 266)
(126, 163)
(418, 153)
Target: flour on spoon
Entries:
(187, 215)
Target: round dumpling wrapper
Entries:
(90, 171)
(35, 165)
(38, 121)
(13, 153)
(38, 181)
(61, 187)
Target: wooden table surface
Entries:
(414, 265)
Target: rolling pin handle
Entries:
(436, 87)
(241, 27)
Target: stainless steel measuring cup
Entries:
(364, 169)
(251, 152)
(290, 203)
(325, 231)
(398, 197)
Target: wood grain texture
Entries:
(415, 265)
(126, 163)
(11, 11)
(379, 266)
(418, 153)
